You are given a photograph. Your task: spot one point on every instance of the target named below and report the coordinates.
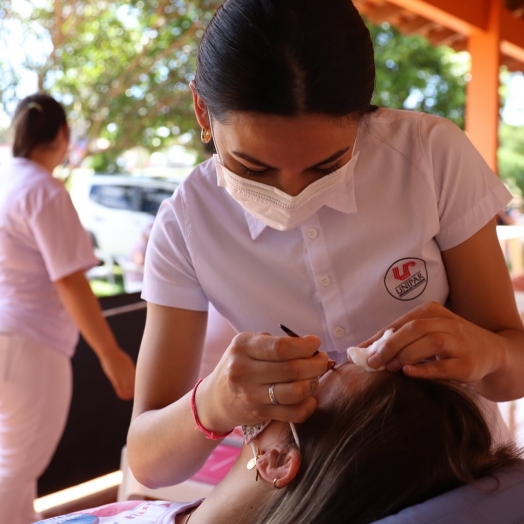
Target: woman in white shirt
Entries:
(321, 212)
(44, 300)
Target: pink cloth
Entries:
(132, 512)
(41, 241)
(35, 392)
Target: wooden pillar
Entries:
(483, 102)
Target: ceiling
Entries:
(409, 23)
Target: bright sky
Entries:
(513, 112)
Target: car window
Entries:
(151, 198)
(116, 197)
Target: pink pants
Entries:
(35, 393)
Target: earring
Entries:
(275, 484)
(205, 135)
(252, 463)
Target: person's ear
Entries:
(67, 132)
(201, 112)
(279, 465)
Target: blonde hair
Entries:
(393, 445)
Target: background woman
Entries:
(44, 299)
(378, 442)
(325, 214)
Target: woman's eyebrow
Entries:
(259, 163)
(251, 160)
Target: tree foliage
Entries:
(122, 69)
(411, 73)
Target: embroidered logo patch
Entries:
(407, 278)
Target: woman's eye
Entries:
(331, 169)
(251, 172)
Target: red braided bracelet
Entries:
(209, 434)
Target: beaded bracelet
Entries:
(209, 434)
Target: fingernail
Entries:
(375, 361)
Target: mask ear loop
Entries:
(295, 434)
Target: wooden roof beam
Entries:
(512, 35)
(463, 16)
(386, 11)
(416, 25)
(443, 36)
(468, 17)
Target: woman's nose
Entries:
(293, 184)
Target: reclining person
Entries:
(377, 443)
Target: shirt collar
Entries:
(343, 201)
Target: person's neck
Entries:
(236, 498)
(46, 158)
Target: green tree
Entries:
(122, 69)
(411, 73)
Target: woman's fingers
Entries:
(289, 393)
(447, 368)
(260, 346)
(254, 362)
(432, 342)
(275, 359)
(416, 341)
(428, 324)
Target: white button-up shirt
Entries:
(419, 187)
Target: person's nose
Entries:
(293, 183)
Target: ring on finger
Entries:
(272, 395)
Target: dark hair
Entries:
(286, 58)
(396, 444)
(37, 121)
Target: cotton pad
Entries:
(359, 356)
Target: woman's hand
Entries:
(119, 368)
(480, 341)
(237, 392)
(456, 349)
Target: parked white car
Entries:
(117, 209)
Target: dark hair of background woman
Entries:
(387, 448)
(37, 121)
(286, 58)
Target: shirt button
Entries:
(339, 332)
(312, 233)
(324, 281)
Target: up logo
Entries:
(407, 278)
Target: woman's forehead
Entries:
(346, 380)
(274, 139)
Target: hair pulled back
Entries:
(396, 444)
(37, 121)
(286, 57)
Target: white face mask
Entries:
(277, 209)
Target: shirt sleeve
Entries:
(169, 275)
(60, 237)
(468, 193)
